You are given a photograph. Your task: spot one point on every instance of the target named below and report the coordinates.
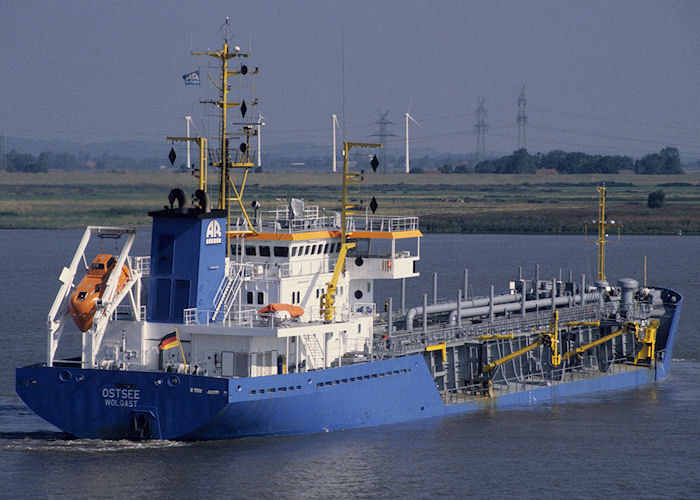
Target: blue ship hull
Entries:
(102, 404)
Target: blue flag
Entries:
(191, 78)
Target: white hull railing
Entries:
(381, 223)
(244, 317)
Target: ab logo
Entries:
(213, 236)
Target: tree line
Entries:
(666, 161)
(24, 162)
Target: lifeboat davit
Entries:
(83, 301)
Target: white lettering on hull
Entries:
(121, 398)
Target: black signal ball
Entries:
(244, 69)
(243, 147)
(374, 163)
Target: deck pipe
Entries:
(515, 301)
(450, 306)
(435, 278)
(483, 306)
(511, 306)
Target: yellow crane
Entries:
(349, 179)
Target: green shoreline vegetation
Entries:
(454, 203)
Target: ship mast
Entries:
(602, 226)
(230, 158)
(225, 162)
(601, 233)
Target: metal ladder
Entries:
(228, 291)
(314, 351)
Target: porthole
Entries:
(79, 377)
(158, 382)
(359, 262)
(358, 294)
(64, 376)
(239, 388)
(173, 381)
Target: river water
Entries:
(640, 442)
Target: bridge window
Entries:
(294, 251)
(261, 297)
(264, 251)
(307, 249)
(250, 250)
(249, 297)
(281, 251)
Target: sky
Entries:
(609, 77)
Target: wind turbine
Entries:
(334, 119)
(260, 124)
(409, 117)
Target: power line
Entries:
(614, 120)
(614, 137)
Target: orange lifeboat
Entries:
(293, 311)
(83, 301)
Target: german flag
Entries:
(169, 341)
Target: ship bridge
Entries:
(387, 247)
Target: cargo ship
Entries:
(244, 322)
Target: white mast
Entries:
(260, 124)
(334, 119)
(409, 117)
(188, 119)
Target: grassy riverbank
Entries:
(467, 203)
